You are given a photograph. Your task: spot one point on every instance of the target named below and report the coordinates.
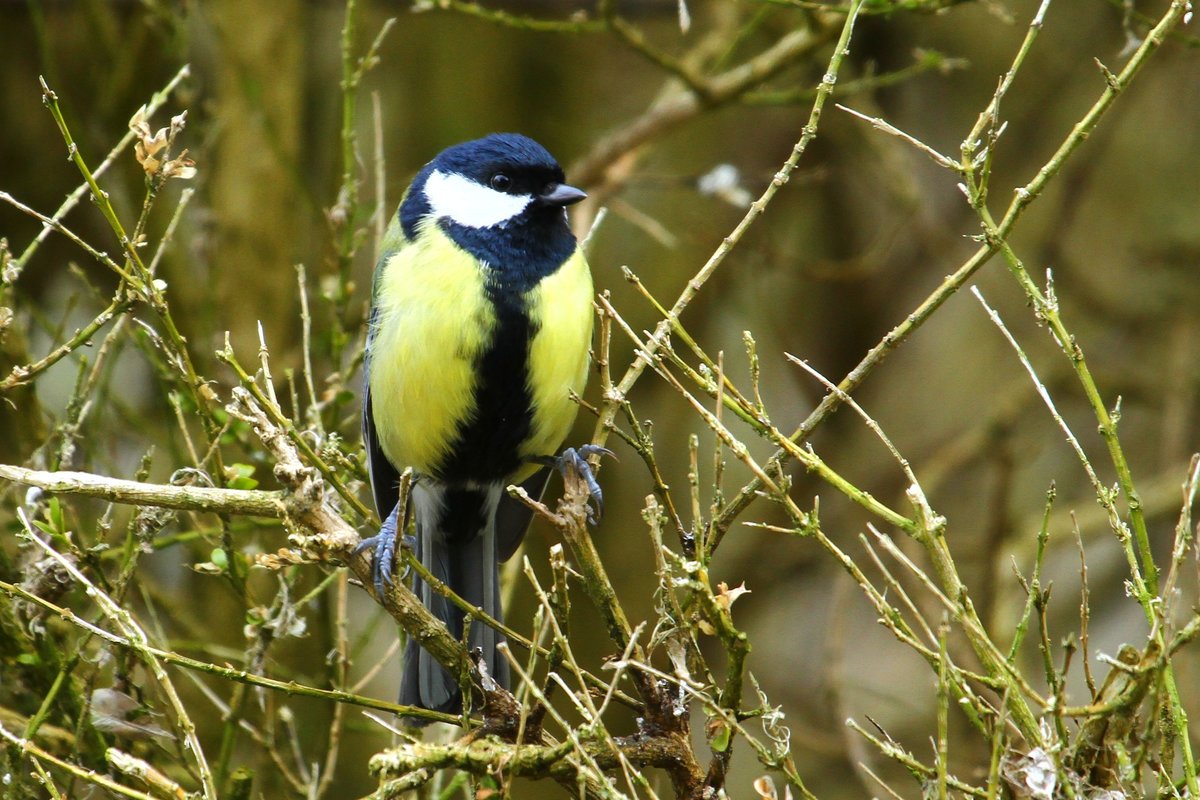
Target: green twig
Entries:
(21, 375)
(36, 753)
(646, 356)
(953, 282)
(137, 640)
(156, 102)
(509, 20)
(275, 413)
(291, 688)
(1034, 587)
(927, 61)
(143, 283)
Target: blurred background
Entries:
(866, 229)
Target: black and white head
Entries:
(502, 199)
(497, 182)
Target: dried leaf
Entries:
(153, 147)
(766, 789)
(1031, 775)
(726, 597)
(677, 652)
(281, 558)
(115, 712)
(180, 168)
(177, 123)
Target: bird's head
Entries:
(498, 181)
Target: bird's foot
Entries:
(575, 460)
(383, 551)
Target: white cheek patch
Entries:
(468, 203)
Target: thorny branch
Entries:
(559, 722)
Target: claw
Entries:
(576, 459)
(383, 551)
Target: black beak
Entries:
(562, 195)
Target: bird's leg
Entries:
(576, 459)
(383, 550)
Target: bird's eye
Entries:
(501, 182)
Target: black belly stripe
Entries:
(487, 447)
(464, 513)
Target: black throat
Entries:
(517, 253)
(521, 252)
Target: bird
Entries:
(479, 335)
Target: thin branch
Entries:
(256, 503)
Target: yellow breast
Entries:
(560, 307)
(433, 320)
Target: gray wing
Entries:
(385, 478)
(513, 516)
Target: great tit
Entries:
(479, 332)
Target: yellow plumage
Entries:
(432, 323)
(561, 308)
(434, 320)
(481, 323)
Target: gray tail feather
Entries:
(465, 560)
